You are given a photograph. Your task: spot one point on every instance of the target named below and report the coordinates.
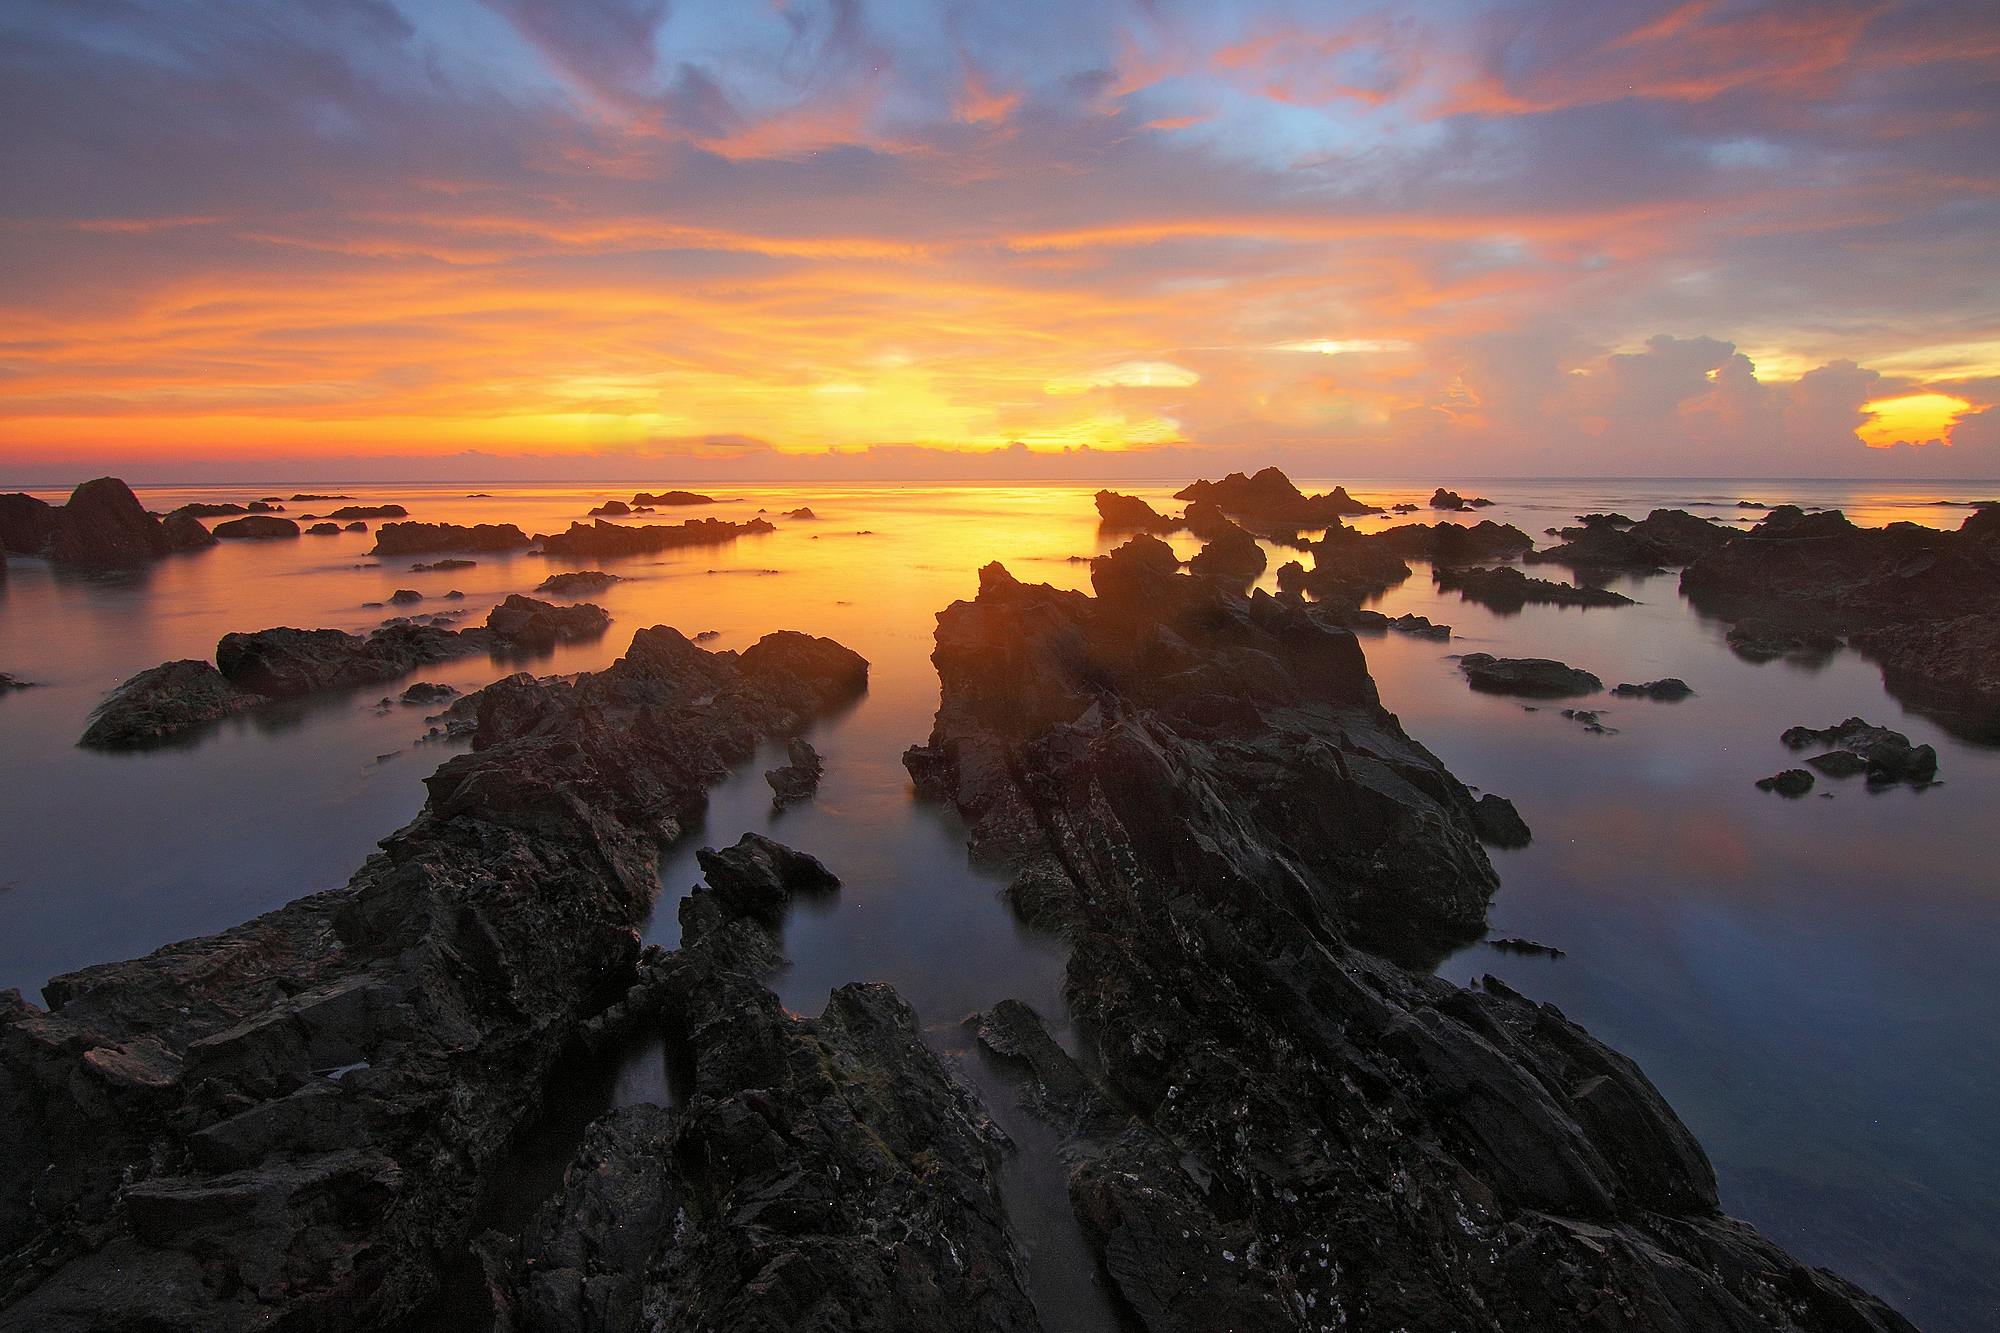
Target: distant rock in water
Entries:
(1792, 783)
(428, 694)
(1269, 501)
(673, 498)
(1444, 499)
(435, 566)
(256, 527)
(265, 507)
(431, 538)
(314, 499)
(524, 620)
(1513, 944)
(611, 509)
(1508, 589)
(185, 532)
(1534, 677)
(323, 530)
(163, 702)
(1886, 756)
(1128, 513)
(404, 596)
(349, 512)
(104, 526)
(212, 509)
(27, 524)
(1456, 543)
(355, 527)
(1668, 689)
(1665, 537)
(12, 682)
(1409, 623)
(798, 778)
(609, 540)
(577, 581)
(802, 513)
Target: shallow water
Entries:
(1805, 980)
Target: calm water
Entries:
(1808, 981)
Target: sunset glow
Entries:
(1471, 236)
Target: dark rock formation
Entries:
(1281, 1129)
(163, 702)
(355, 527)
(27, 525)
(212, 509)
(802, 513)
(1668, 689)
(1885, 755)
(758, 878)
(323, 530)
(292, 1124)
(1508, 589)
(1757, 640)
(1229, 553)
(797, 779)
(611, 509)
(306, 498)
(256, 527)
(1348, 569)
(104, 526)
(428, 694)
(1269, 501)
(525, 621)
(577, 582)
(1128, 513)
(1512, 944)
(1456, 543)
(1499, 823)
(1590, 720)
(1534, 677)
(13, 682)
(349, 512)
(286, 663)
(1924, 603)
(405, 596)
(673, 498)
(1792, 783)
(439, 566)
(429, 538)
(1409, 623)
(1444, 499)
(185, 532)
(603, 540)
(264, 507)
(1664, 537)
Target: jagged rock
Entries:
(286, 663)
(405, 596)
(1949, 666)
(1534, 677)
(1514, 944)
(164, 701)
(1887, 756)
(523, 620)
(611, 509)
(1290, 1130)
(1456, 543)
(1499, 823)
(757, 878)
(347, 513)
(1348, 568)
(184, 532)
(1507, 589)
(105, 526)
(1590, 720)
(1668, 689)
(264, 507)
(1128, 513)
(1409, 623)
(1230, 553)
(1269, 500)
(1792, 783)
(428, 694)
(673, 498)
(256, 527)
(1444, 499)
(1664, 537)
(323, 530)
(798, 778)
(608, 540)
(27, 524)
(1762, 641)
(293, 1123)
(576, 582)
(212, 509)
(429, 538)
(801, 513)
(436, 566)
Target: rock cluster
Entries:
(576, 582)
(1665, 537)
(1856, 746)
(432, 538)
(1534, 677)
(1444, 499)
(601, 540)
(1507, 589)
(1268, 501)
(797, 779)
(1667, 689)
(256, 527)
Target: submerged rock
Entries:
(1887, 756)
(1534, 677)
(1667, 689)
(577, 581)
(1793, 782)
(162, 702)
(1508, 589)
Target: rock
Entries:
(1499, 823)
(1128, 513)
(1839, 763)
(757, 878)
(833, 673)
(1456, 543)
(1591, 720)
(1513, 944)
(673, 498)
(454, 596)
(405, 596)
(286, 663)
(798, 778)
(347, 513)
(323, 530)
(1230, 554)
(577, 582)
(1534, 677)
(525, 621)
(1762, 641)
(1792, 783)
(355, 527)
(1609, 520)
(1270, 501)
(1278, 1125)
(264, 507)
(211, 509)
(1444, 499)
(295, 1123)
(611, 509)
(312, 499)
(257, 527)
(12, 682)
(429, 538)
(27, 524)
(162, 702)
(184, 532)
(1348, 568)
(428, 694)
(1950, 668)
(609, 540)
(1668, 689)
(1507, 589)
(801, 513)
(1886, 755)
(1665, 537)
(104, 526)
(434, 566)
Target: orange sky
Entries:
(1752, 238)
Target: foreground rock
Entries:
(1507, 589)
(292, 1124)
(1269, 501)
(272, 664)
(1533, 677)
(601, 540)
(1885, 756)
(1280, 1128)
(1922, 602)
(797, 779)
(433, 538)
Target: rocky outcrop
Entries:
(104, 526)
(577, 582)
(1456, 543)
(163, 702)
(323, 530)
(1667, 689)
(533, 624)
(292, 1123)
(672, 498)
(27, 524)
(1923, 602)
(801, 514)
(256, 527)
(1268, 501)
(1444, 499)
(1665, 537)
(347, 513)
(1507, 589)
(611, 509)
(1499, 823)
(1128, 513)
(1791, 784)
(185, 532)
(601, 540)
(1280, 1128)
(1534, 677)
(797, 779)
(432, 538)
(1885, 756)
(1228, 552)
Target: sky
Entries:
(550, 238)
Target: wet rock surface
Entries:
(537, 624)
(255, 527)
(291, 1124)
(432, 538)
(1281, 1128)
(601, 540)
(1885, 756)
(163, 702)
(1269, 501)
(797, 779)
(577, 582)
(1532, 677)
(1667, 689)
(104, 526)
(1507, 589)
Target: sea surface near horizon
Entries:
(1807, 981)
